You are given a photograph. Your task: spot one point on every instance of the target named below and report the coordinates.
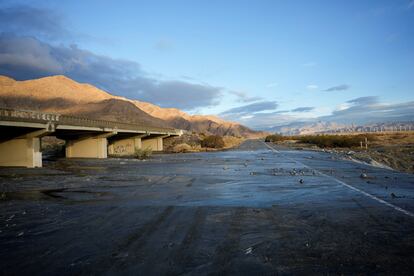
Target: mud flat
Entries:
(253, 210)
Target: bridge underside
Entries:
(21, 145)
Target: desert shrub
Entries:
(213, 141)
(330, 141)
(182, 148)
(232, 141)
(275, 138)
(143, 153)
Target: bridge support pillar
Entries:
(24, 150)
(125, 146)
(155, 144)
(88, 147)
(21, 152)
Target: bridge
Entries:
(21, 132)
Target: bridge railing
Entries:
(58, 119)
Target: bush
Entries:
(143, 153)
(182, 148)
(213, 141)
(232, 141)
(339, 141)
(275, 138)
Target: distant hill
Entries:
(302, 128)
(63, 95)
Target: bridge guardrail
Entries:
(7, 114)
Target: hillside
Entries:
(207, 124)
(63, 95)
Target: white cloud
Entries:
(244, 97)
(343, 106)
(312, 87)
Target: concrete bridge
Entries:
(21, 132)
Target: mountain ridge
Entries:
(63, 95)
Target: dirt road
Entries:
(254, 210)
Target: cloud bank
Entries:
(251, 108)
(341, 87)
(27, 58)
(243, 97)
(303, 109)
(33, 54)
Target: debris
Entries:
(395, 196)
(301, 181)
(363, 175)
(10, 218)
(248, 251)
(20, 234)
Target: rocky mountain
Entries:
(303, 128)
(59, 94)
(207, 124)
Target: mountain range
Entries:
(60, 94)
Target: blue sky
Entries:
(262, 63)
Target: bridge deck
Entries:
(19, 118)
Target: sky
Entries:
(260, 63)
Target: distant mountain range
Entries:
(59, 94)
(303, 128)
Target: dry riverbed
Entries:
(251, 210)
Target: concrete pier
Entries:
(124, 146)
(21, 152)
(88, 147)
(154, 144)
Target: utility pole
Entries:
(366, 143)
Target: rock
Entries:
(363, 175)
(393, 195)
(301, 181)
(248, 251)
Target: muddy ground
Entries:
(246, 211)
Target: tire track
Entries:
(230, 247)
(136, 239)
(184, 254)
